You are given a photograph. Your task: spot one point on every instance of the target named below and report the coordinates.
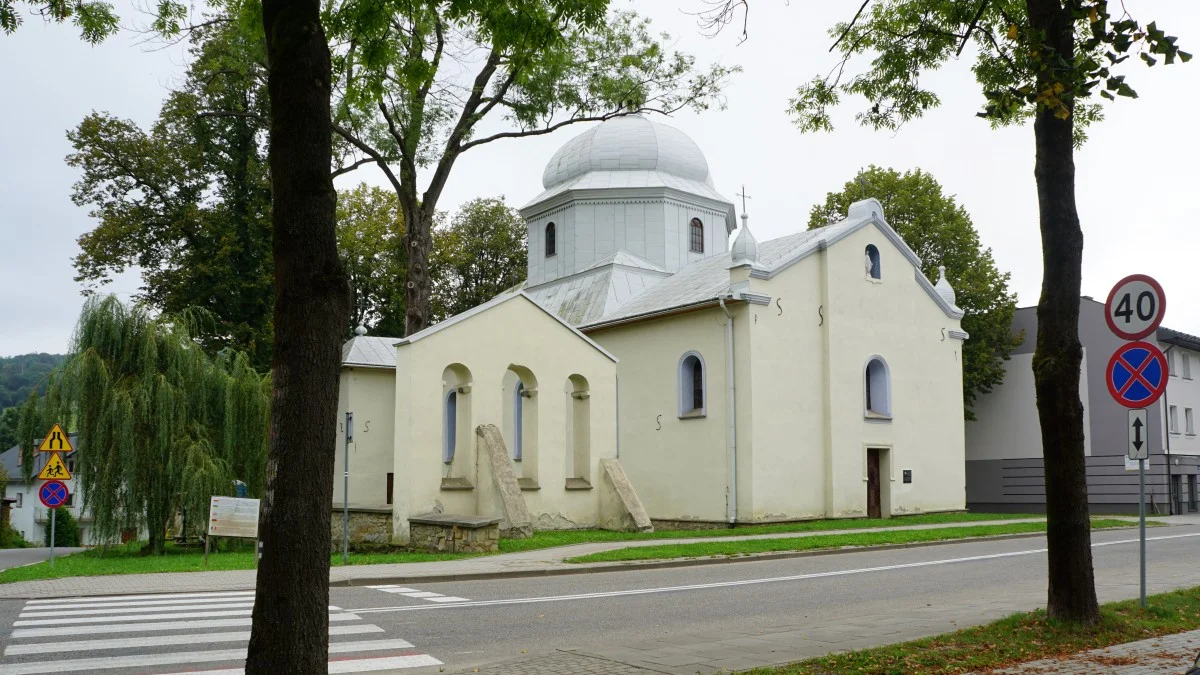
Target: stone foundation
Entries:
(447, 533)
(369, 527)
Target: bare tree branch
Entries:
(370, 152)
(974, 22)
(850, 25)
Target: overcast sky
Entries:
(1136, 178)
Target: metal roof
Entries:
(369, 351)
(1178, 338)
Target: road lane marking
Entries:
(415, 593)
(161, 641)
(108, 598)
(126, 610)
(63, 604)
(146, 627)
(353, 665)
(740, 582)
(143, 660)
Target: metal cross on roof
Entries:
(744, 197)
(861, 180)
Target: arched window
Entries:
(550, 244)
(871, 261)
(696, 233)
(878, 389)
(451, 423)
(518, 420)
(692, 394)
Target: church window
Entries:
(696, 230)
(692, 394)
(871, 261)
(878, 389)
(518, 421)
(451, 427)
(550, 243)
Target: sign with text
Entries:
(233, 517)
(1135, 307)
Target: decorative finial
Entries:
(361, 330)
(745, 247)
(943, 287)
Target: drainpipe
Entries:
(1166, 406)
(732, 413)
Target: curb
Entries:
(594, 568)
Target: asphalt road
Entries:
(476, 623)
(15, 557)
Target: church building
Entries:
(648, 368)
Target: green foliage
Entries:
(64, 525)
(1017, 66)
(9, 420)
(477, 255)
(940, 232)
(21, 374)
(95, 19)
(419, 79)
(11, 538)
(187, 201)
(162, 426)
(370, 233)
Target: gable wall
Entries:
(897, 319)
(511, 333)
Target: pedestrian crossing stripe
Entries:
(55, 469)
(121, 635)
(56, 441)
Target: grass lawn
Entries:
(1019, 638)
(745, 547)
(547, 539)
(126, 559)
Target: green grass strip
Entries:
(1028, 636)
(751, 546)
(550, 538)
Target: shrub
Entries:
(11, 538)
(66, 529)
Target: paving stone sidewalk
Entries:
(524, 562)
(1166, 655)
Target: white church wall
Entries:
(489, 344)
(895, 319)
(678, 466)
(788, 396)
(370, 393)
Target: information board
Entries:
(233, 517)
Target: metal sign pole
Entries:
(346, 489)
(53, 534)
(1142, 524)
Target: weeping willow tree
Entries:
(161, 425)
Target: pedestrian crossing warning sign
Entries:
(55, 469)
(56, 441)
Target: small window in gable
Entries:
(696, 230)
(878, 386)
(871, 261)
(1187, 365)
(692, 393)
(1171, 368)
(550, 243)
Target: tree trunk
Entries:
(290, 632)
(1056, 361)
(418, 241)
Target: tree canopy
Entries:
(940, 231)
(20, 374)
(420, 84)
(370, 229)
(477, 255)
(161, 425)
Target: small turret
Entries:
(745, 247)
(943, 287)
(361, 330)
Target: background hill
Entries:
(18, 376)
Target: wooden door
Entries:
(873, 488)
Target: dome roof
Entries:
(631, 143)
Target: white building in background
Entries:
(27, 514)
(814, 375)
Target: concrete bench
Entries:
(449, 533)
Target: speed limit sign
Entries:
(1135, 307)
